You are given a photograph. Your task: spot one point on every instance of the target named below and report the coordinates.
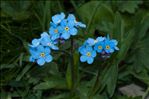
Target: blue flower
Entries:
(58, 18)
(72, 19)
(40, 54)
(88, 54)
(109, 46)
(68, 29)
(55, 32)
(99, 46)
(46, 41)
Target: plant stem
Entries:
(72, 65)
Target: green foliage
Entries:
(66, 77)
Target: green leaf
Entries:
(110, 78)
(100, 97)
(129, 6)
(118, 28)
(140, 56)
(7, 66)
(42, 12)
(143, 76)
(125, 45)
(95, 15)
(141, 24)
(54, 82)
(22, 73)
(60, 96)
(17, 10)
(42, 72)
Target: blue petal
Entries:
(73, 31)
(115, 42)
(111, 50)
(58, 18)
(71, 17)
(54, 47)
(90, 41)
(93, 54)
(45, 41)
(53, 24)
(34, 53)
(62, 16)
(31, 59)
(71, 24)
(65, 35)
(80, 25)
(63, 22)
(83, 58)
(82, 50)
(105, 50)
(40, 48)
(54, 37)
(41, 61)
(51, 30)
(44, 34)
(90, 60)
(89, 48)
(47, 50)
(99, 39)
(48, 58)
(35, 42)
(60, 29)
(99, 50)
(116, 48)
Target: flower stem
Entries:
(72, 65)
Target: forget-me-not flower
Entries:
(55, 31)
(103, 45)
(110, 46)
(40, 55)
(68, 29)
(88, 54)
(47, 41)
(99, 47)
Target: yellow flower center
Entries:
(99, 47)
(66, 28)
(42, 54)
(88, 54)
(107, 47)
(56, 31)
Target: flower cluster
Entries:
(101, 45)
(61, 28)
